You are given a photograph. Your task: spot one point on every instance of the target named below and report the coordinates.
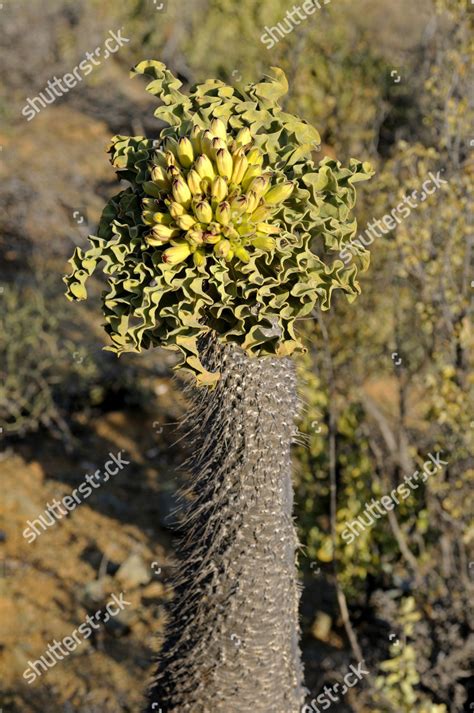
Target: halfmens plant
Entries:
(226, 235)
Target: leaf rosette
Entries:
(227, 224)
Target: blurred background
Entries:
(385, 380)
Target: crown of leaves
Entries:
(227, 225)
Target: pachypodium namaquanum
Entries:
(227, 233)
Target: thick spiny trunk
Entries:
(232, 638)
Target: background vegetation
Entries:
(385, 380)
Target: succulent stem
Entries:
(236, 581)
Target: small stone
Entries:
(133, 572)
(155, 590)
(93, 593)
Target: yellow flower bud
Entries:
(160, 218)
(176, 254)
(260, 184)
(267, 228)
(224, 163)
(165, 232)
(170, 158)
(206, 184)
(238, 206)
(185, 221)
(185, 152)
(195, 137)
(219, 189)
(216, 145)
(244, 137)
(199, 258)
(194, 182)
(230, 232)
(252, 201)
(255, 157)
(154, 240)
(222, 248)
(261, 213)
(240, 167)
(203, 212)
(206, 143)
(244, 229)
(181, 192)
(250, 174)
(218, 129)
(204, 167)
(195, 236)
(223, 213)
(160, 177)
(176, 209)
(279, 193)
(241, 253)
(264, 242)
(211, 238)
(215, 227)
(150, 204)
(147, 217)
(173, 172)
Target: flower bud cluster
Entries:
(209, 194)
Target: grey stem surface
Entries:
(232, 637)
